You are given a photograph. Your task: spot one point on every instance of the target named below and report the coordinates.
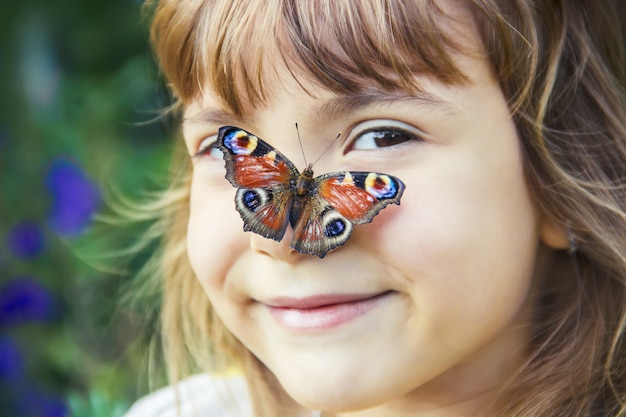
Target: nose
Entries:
(277, 250)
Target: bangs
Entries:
(234, 47)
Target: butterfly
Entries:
(272, 194)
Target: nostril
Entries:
(269, 247)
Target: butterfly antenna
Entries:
(301, 148)
(322, 154)
(327, 148)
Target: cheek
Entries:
(215, 233)
(464, 239)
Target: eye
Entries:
(208, 147)
(375, 134)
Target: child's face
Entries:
(438, 287)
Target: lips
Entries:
(322, 312)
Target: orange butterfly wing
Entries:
(263, 178)
(339, 201)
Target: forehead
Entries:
(347, 48)
(320, 106)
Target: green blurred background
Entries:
(80, 97)
(78, 123)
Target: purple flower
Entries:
(11, 361)
(25, 300)
(51, 406)
(75, 198)
(32, 402)
(26, 240)
(19, 395)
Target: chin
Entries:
(335, 391)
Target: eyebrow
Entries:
(346, 104)
(339, 106)
(214, 116)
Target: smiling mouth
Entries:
(322, 312)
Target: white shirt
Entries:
(198, 396)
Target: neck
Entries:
(467, 408)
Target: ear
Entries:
(553, 235)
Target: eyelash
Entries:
(388, 134)
(207, 148)
(383, 136)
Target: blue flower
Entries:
(26, 240)
(30, 401)
(11, 361)
(75, 198)
(25, 300)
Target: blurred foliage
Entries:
(78, 85)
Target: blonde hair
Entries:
(560, 64)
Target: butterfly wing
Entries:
(264, 179)
(320, 229)
(359, 196)
(339, 201)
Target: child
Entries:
(495, 288)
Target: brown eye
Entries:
(374, 139)
(208, 147)
(376, 134)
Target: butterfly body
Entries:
(304, 186)
(305, 182)
(272, 195)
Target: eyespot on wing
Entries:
(359, 196)
(251, 162)
(263, 211)
(320, 230)
(382, 186)
(238, 141)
